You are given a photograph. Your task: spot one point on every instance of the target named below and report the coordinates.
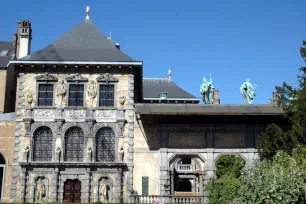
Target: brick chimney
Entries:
(275, 98)
(216, 97)
(22, 39)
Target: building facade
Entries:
(90, 128)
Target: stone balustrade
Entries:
(167, 199)
(185, 167)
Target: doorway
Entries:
(184, 185)
(2, 174)
(72, 191)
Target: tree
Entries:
(293, 102)
(229, 165)
(280, 180)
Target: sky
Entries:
(233, 40)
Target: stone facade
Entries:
(7, 135)
(60, 118)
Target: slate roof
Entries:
(4, 60)
(214, 109)
(84, 42)
(152, 87)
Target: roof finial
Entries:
(169, 74)
(110, 35)
(87, 12)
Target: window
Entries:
(106, 95)
(74, 144)
(45, 94)
(76, 95)
(43, 139)
(105, 145)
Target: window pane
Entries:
(43, 140)
(105, 145)
(106, 95)
(76, 95)
(74, 144)
(45, 94)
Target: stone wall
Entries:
(2, 89)
(7, 136)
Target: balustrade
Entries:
(167, 199)
(185, 167)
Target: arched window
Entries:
(43, 139)
(74, 144)
(105, 145)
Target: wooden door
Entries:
(72, 191)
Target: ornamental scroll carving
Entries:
(75, 113)
(46, 77)
(107, 78)
(105, 113)
(44, 113)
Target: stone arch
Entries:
(74, 135)
(228, 164)
(39, 149)
(229, 154)
(36, 126)
(46, 183)
(113, 126)
(67, 126)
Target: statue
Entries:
(29, 99)
(207, 91)
(103, 191)
(92, 91)
(61, 90)
(40, 190)
(26, 153)
(58, 149)
(121, 154)
(248, 91)
(122, 100)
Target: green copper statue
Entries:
(207, 91)
(248, 91)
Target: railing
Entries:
(185, 167)
(167, 199)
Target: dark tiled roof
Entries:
(4, 46)
(84, 42)
(152, 87)
(196, 109)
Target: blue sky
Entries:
(233, 40)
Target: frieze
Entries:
(44, 114)
(75, 114)
(106, 115)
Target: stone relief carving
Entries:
(40, 190)
(92, 91)
(76, 77)
(122, 100)
(29, 99)
(61, 90)
(107, 78)
(46, 77)
(27, 126)
(75, 113)
(44, 113)
(121, 154)
(103, 191)
(105, 113)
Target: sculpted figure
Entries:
(40, 190)
(207, 91)
(248, 91)
(61, 90)
(121, 154)
(103, 191)
(29, 99)
(26, 153)
(92, 91)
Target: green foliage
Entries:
(229, 165)
(293, 102)
(280, 180)
(222, 190)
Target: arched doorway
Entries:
(184, 185)
(2, 174)
(72, 191)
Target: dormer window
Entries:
(162, 96)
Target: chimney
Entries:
(117, 46)
(22, 39)
(216, 97)
(275, 98)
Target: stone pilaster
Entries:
(118, 187)
(14, 197)
(54, 186)
(86, 187)
(23, 181)
(130, 121)
(164, 177)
